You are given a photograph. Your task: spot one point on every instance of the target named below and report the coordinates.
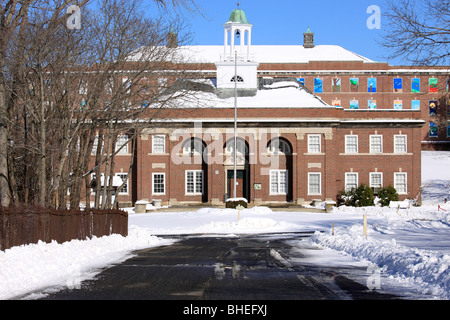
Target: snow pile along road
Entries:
(410, 245)
(35, 267)
(394, 248)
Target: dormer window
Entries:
(239, 79)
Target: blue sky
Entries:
(283, 22)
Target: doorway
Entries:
(241, 184)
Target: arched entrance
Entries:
(281, 177)
(197, 179)
(242, 169)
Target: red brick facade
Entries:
(331, 163)
(319, 150)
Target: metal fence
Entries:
(20, 226)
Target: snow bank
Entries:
(38, 266)
(435, 176)
(252, 220)
(427, 270)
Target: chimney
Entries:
(172, 39)
(308, 39)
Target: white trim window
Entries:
(158, 183)
(83, 89)
(95, 146)
(400, 143)
(194, 182)
(401, 182)
(376, 181)
(376, 143)
(124, 178)
(351, 143)
(314, 183)
(158, 143)
(351, 180)
(314, 143)
(278, 182)
(122, 140)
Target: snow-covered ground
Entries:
(410, 248)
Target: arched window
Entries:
(193, 147)
(279, 146)
(242, 148)
(239, 79)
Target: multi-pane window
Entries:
(351, 144)
(376, 144)
(351, 180)
(400, 182)
(124, 178)
(126, 84)
(122, 144)
(376, 181)
(159, 183)
(400, 144)
(314, 143)
(194, 182)
(109, 86)
(158, 144)
(95, 146)
(314, 184)
(239, 79)
(83, 89)
(278, 182)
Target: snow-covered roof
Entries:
(277, 98)
(274, 54)
(284, 97)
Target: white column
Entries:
(232, 35)
(242, 31)
(225, 44)
(249, 44)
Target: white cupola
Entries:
(237, 44)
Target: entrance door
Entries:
(240, 183)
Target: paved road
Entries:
(230, 268)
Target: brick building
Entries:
(311, 121)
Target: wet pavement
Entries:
(252, 267)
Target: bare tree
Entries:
(418, 30)
(76, 92)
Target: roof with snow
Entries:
(272, 93)
(274, 54)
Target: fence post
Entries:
(365, 226)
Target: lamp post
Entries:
(235, 125)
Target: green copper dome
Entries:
(238, 16)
